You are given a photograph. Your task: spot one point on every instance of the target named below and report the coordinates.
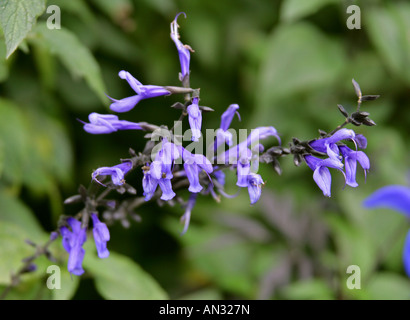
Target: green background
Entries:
(286, 63)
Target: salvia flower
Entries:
(195, 119)
(107, 123)
(101, 236)
(72, 242)
(321, 173)
(188, 209)
(396, 198)
(351, 158)
(193, 163)
(117, 173)
(222, 134)
(255, 183)
(160, 172)
(143, 92)
(244, 167)
(184, 50)
(260, 133)
(329, 146)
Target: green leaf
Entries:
(12, 250)
(292, 10)
(313, 289)
(69, 285)
(310, 60)
(389, 30)
(388, 286)
(17, 17)
(13, 210)
(4, 70)
(74, 55)
(308, 65)
(119, 278)
(14, 140)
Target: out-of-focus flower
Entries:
(117, 172)
(107, 123)
(72, 242)
(143, 92)
(396, 198)
(255, 183)
(188, 209)
(101, 236)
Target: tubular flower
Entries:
(101, 236)
(222, 134)
(72, 242)
(143, 92)
(329, 146)
(117, 173)
(184, 50)
(255, 183)
(351, 158)
(396, 198)
(321, 173)
(193, 163)
(195, 119)
(107, 123)
(188, 209)
(160, 172)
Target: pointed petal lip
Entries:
(228, 115)
(323, 179)
(126, 104)
(394, 197)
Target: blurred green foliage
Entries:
(287, 63)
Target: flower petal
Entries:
(323, 179)
(125, 104)
(406, 254)
(392, 197)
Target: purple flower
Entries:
(107, 123)
(72, 242)
(351, 158)
(187, 215)
(396, 198)
(220, 176)
(255, 183)
(160, 172)
(184, 51)
(193, 163)
(329, 146)
(222, 135)
(261, 133)
(244, 167)
(117, 173)
(195, 119)
(321, 173)
(232, 155)
(101, 236)
(143, 92)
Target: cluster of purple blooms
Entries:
(197, 168)
(336, 153)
